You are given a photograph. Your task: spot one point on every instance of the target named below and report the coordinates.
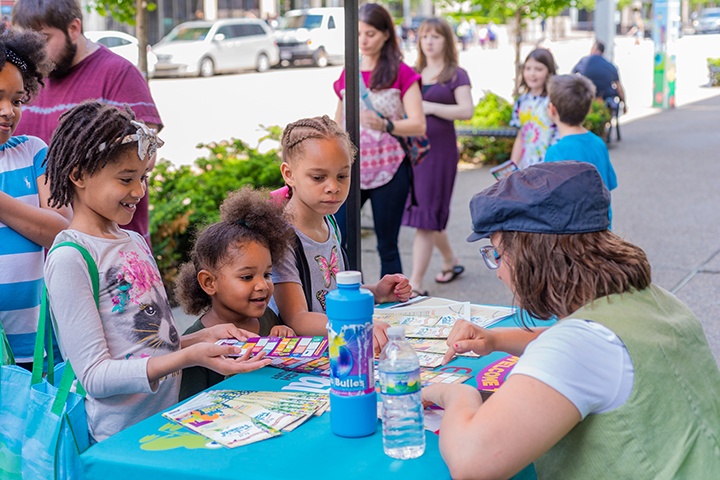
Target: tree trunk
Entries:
(141, 34)
(518, 42)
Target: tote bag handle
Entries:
(43, 340)
(6, 355)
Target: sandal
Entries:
(454, 272)
(418, 293)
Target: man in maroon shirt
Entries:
(84, 70)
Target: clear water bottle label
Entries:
(399, 383)
(351, 360)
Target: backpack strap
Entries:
(302, 264)
(331, 219)
(303, 270)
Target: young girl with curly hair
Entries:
(228, 277)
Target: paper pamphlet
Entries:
(234, 418)
(503, 170)
(312, 366)
(292, 347)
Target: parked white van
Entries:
(205, 48)
(315, 33)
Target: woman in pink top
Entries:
(392, 107)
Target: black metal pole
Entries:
(352, 125)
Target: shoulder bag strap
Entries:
(365, 93)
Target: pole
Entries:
(352, 125)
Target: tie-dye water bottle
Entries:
(353, 403)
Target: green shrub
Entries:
(491, 111)
(714, 71)
(184, 199)
(598, 120)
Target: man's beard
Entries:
(65, 62)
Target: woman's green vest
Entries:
(670, 426)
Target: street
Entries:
(197, 110)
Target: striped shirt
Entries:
(21, 260)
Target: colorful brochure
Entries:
(284, 347)
(312, 366)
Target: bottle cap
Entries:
(349, 277)
(396, 331)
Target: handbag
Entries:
(44, 428)
(416, 147)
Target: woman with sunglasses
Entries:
(624, 385)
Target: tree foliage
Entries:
(123, 11)
(527, 8)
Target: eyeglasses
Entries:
(491, 257)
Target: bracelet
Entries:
(389, 127)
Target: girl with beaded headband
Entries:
(228, 278)
(126, 350)
(28, 224)
(317, 155)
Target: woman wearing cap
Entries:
(623, 386)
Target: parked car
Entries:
(205, 48)
(708, 21)
(124, 45)
(316, 34)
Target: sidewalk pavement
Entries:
(667, 202)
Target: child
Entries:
(570, 99)
(317, 155)
(537, 131)
(27, 223)
(126, 353)
(228, 279)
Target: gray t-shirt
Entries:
(109, 348)
(325, 261)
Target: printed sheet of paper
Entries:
(487, 315)
(425, 321)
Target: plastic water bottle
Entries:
(402, 411)
(353, 402)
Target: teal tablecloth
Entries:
(159, 448)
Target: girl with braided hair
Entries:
(317, 155)
(28, 224)
(125, 349)
(228, 278)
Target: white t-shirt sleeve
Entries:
(584, 361)
(80, 330)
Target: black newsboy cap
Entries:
(558, 197)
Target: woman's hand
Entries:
(465, 337)
(215, 357)
(372, 121)
(282, 331)
(392, 288)
(379, 336)
(428, 107)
